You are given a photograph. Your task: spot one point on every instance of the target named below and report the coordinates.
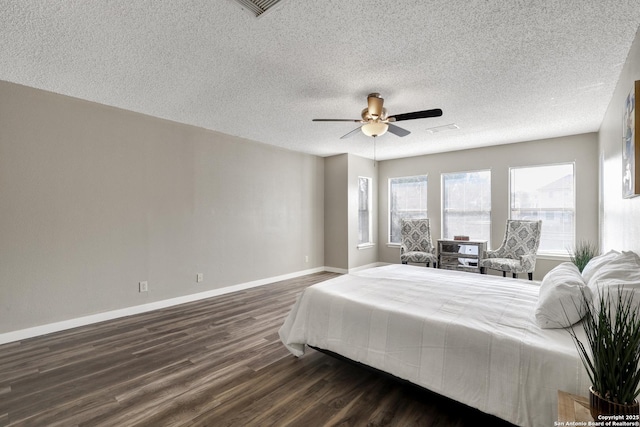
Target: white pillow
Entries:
(596, 262)
(560, 300)
(622, 268)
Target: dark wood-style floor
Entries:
(215, 362)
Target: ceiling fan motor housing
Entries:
(367, 117)
(374, 106)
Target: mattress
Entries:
(470, 337)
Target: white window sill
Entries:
(554, 256)
(393, 245)
(366, 245)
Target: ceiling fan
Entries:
(375, 121)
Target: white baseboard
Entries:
(114, 314)
(352, 270)
(364, 267)
(336, 270)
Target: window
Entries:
(546, 193)
(365, 222)
(407, 199)
(466, 205)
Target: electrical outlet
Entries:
(199, 277)
(306, 258)
(143, 286)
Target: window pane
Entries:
(466, 200)
(546, 193)
(407, 199)
(364, 210)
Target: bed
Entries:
(473, 338)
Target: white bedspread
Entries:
(466, 336)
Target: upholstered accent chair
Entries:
(416, 246)
(517, 254)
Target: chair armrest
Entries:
(528, 262)
(491, 254)
(497, 253)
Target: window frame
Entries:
(369, 211)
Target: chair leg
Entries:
(504, 274)
(483, 270)
(435, 264)
(530, 276)
(404, 262)
(515, 275)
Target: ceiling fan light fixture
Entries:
(374, 128)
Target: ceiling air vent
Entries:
(256, 7)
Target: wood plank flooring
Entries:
(215, 362)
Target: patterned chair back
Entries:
(416, 235)
(521, 238)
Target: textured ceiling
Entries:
(502, 71)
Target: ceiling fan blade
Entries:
(338, 120)
(374, 103)
(353, 132)
(416, 115)
(397, 130)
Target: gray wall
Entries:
(336, 211)
(620, 218)
(581, 149)
(341, 212)
(95, 199)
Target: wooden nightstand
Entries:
(573, 408)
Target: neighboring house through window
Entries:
(546, 193)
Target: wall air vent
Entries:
(256, 7)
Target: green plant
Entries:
(612, 351)
(582, 253)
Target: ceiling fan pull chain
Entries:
(374, 151)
